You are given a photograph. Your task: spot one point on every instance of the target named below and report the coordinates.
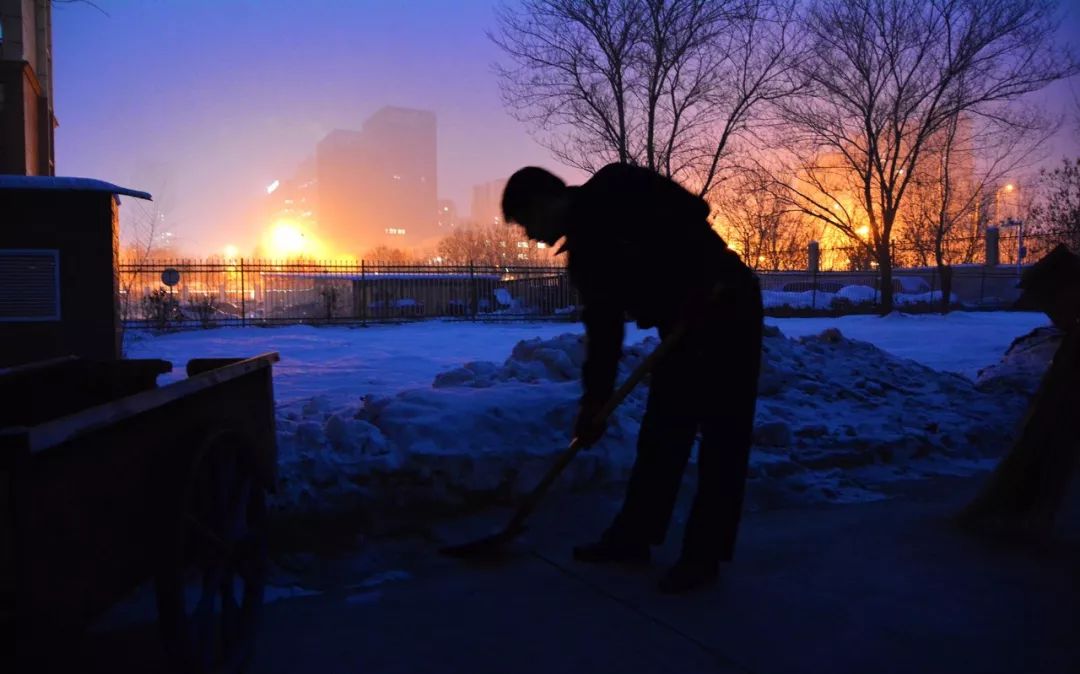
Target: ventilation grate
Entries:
(29, 285)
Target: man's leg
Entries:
(664, 442)
(730, 372)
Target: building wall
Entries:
(486, 208)
(26, 113)
(82, 226)
(377, 186)
(399, 191)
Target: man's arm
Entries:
(604, 329)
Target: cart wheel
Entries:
(210, 588)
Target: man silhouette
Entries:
(641, 245)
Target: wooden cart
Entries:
(109, 481)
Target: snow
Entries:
(66, 184)
(421, 416)
(853, 294)
(959, 341)
(807, 299)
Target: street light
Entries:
(1021, 251)
(1019, 225)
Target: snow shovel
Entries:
(516, 525)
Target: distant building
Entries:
(486, 208)
(296, 198)
(446, 216)
(377, 186)
(26, 88)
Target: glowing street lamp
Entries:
(231, 252)
(863, 231)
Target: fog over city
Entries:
(220, 110)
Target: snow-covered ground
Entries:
(343, 364)
(429, 414)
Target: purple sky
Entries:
(205, 102)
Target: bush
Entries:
(161, 308)
(204, 309)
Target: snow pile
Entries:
(930, 297)
(835, 416)
(806, 299)
(1023, 365)
(858, 294)
(852, 295)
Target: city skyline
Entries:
(222, 99)
(200, 106)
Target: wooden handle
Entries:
(567, 455)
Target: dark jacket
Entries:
(639, 245)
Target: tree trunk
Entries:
(945, 271)
(884, 261)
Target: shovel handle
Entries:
(527, 504)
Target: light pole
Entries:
(1009, 188)
(1020, 250)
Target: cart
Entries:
(109, 481)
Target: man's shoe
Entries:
(607, 551)
(686, 576)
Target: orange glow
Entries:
(1009, 187)
(863, 231)
(286, 239)
(231, 252)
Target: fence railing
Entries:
(263, 292)
(258, 292)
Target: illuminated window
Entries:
(397, 177)
(541, 244)
(395, 231)
(523, 244)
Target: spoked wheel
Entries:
(210, 588)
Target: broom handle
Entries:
(567, 455)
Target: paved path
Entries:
(879, 587)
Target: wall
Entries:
(82, 226)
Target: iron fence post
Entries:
(363, 294)
(243, 296)
(473, 296)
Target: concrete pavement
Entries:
(889, 586)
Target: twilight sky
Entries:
(205, 102)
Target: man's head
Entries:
(538, 201)
(1052, 285)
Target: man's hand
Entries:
(589, 427)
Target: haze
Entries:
(206, 103)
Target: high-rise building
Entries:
(26, 88)
(486, 208)
(377, 186)
(446, 217)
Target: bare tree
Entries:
(389, 255)
(1056, 213)
(964, 160)
(492, 245)
(667, 84)
(759, 226)
(885, 78)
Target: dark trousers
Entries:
(707, 383)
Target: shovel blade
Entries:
(482, 547)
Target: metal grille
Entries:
(29, 285)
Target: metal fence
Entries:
(266, 292)
(246, 292)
